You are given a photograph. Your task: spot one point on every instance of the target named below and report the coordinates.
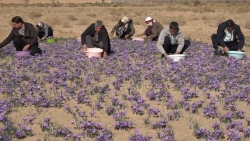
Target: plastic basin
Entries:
(176, 57)
(78, 39)
(22, 54)
(94, 52)
(137, 39)
(50, 40)
(236, 54)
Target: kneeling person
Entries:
(96, 35)
(171, 40)
(124, 28)
(153, 30)
(229, 36)
(24, 36)
(44, 31)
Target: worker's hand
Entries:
(84, 47)
(111, 34)
(105, 54)
(177, 52)
(165, 54)
(225, 49)
(127, 36)
(39, 40)
(146, 37)
(26, 47)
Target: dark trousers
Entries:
(169, 48)
(91, 43)
(233, 46)
(124, 33)
(19, 45)
(41, 34)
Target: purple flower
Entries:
(216, 125)
(120, 116)
(98, 105)
(104, 135)
(211, 110)
(153, 111)
(123, 125)
(248, 121)
(139, 137)
(233, 135)
(201, 133)
(110, 110)
(166, 134)
(92, 113)
(247, 133)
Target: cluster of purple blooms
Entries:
(58, 131)
(124, 125)
(211, 110)
(153, 111)
(139, 137)
(187, 94)
(167, 134)
(216, 134)
(23, 131)
(149, 80)
(91, 128)
(195, 106)
(159, 125)
(174, 115)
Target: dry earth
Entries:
(197, 22)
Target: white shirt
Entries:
(22, 31)
(172, 38)
(228, 35)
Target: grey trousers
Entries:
(91, 43)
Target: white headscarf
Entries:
(150, 23)
(40, 24)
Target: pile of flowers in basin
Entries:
(131, 95)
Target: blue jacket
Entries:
(236, 35)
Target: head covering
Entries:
(148, 19)
(40, 24)
(125, 19)
(151, 21)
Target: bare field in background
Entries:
(65, 61)
(197, 20)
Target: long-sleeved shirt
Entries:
(236, 35)
(130, 25)
(29, 37)
(178, 40)
(103, 36)
(154, 30)
(45, 29)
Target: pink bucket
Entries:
(78, 39)
(94, 52)
(22, 54)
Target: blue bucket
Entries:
(236, 54)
